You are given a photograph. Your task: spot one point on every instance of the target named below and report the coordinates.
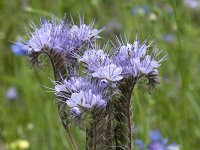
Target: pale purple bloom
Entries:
(139, 144)
(75, 111)
(131, 58)
(94, 59)
(53, 34)
(157, 142)
(59, 88)
(81, 94)
(83, 33)
(192, 3)
(155, 135)
(85, 99)
(76, 84)
(73, 84)
(18, 49)
(110, 72)
(140, 10)
(11, 93)
(132, 51)
(59, 36)
(147, 65)
(169, 37)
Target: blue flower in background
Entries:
(11, 93)
(18, 49)
(140, 10)
(192, 3)
(157, 142)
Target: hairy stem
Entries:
(129, 121)
(59, 73)
(123, 132)
(109, 128)
(94, 135)
(86, 139)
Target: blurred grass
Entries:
(174, 108)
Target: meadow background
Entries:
(174, 108)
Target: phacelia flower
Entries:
(110, 73)
(18, 49)
(60, 88)
(81, 94)
(86, 100)
(75, 84)
(157, 142)
(83, 33)
(134, 60)
(94, 59)
(147, 65)
(53, 34)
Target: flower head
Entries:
(110, 72)
(147, 65)
(18, 49)
(94, 59)
(192, 3)
(53, 34)
(76, 84)
(83, 33)
(11, 93)
(157, 142)
(85, 100)
(81, 94)
(134, 60)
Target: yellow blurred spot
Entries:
(19, 145)
(152, 17)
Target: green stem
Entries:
(70, 135)
(86, 139)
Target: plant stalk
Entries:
(57, 77)
(94, 135)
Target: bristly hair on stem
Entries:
(122, 106)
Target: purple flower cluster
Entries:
(81, 94)
(104, 70)
(129, 60)
(59, 36)
(157, 142)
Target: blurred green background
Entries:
(174, 108)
